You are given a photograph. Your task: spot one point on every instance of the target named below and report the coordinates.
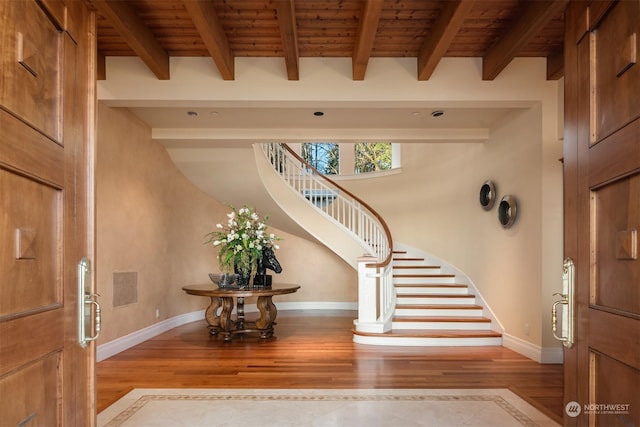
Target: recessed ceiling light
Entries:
(214, 113)
(318, 113)
(192, 114)
(437, 113)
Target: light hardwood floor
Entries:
(314, 349)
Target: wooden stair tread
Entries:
(440, 319)
(440, 306)
(433, 333)
(452, 322)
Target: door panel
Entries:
(32, 224)
(617, 387)
(602, 210)
(31, 67)
(35, 392)
(615, 224)
(46, 139)
(616, 77)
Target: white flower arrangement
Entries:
(241, 241)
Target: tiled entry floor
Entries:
(321, 407)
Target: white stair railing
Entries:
(376, 300)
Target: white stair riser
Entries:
(476, 326)
(441, 290)
(427, 342)
(429, 295)
(400, 261)
(440, 312)
(423, 280)
(462, 300)
(417, 270)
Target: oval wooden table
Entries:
(222, 323)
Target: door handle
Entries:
(87, 300)
(567, 302)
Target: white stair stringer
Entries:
(436, 305)
(324, 228)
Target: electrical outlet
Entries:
(157, 313)
(527, 329)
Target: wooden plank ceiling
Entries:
(495, 30)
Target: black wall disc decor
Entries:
(507, 211)
(487, 195)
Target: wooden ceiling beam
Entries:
(367, 28)
(536, 15)
(287, 23)
(444, 30)
(140, 39)
(555, 65)
(205, 18)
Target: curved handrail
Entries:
(376, 291)
(387, 260)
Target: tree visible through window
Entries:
(372, 156)
(324, 156)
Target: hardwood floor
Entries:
(314, 349)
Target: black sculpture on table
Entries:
(268, 261)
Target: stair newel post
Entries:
(368, 312)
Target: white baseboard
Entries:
(317, 305)
(546, 355)
(111, 348)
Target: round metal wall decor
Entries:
(487, 195)
(507, 211)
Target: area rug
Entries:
(320, 407)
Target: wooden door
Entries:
(602, 211)
(46, 138)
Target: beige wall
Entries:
(433, 204)
(151, 220)
(438, 211)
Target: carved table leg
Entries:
(240, 314)
(212, 316)
(268, 313)
(227, 325)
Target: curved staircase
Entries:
(403, 300)
(432, 309)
